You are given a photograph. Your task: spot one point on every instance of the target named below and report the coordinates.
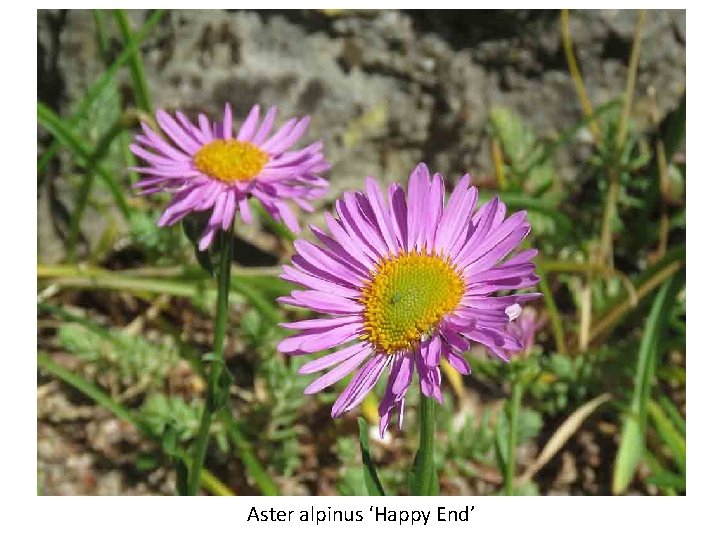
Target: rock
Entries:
(385, 88)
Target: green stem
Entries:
(553, 313)
(610, 212)
(514, 414)
(426, 476)
(221, 313)
(101, 35)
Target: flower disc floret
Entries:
(407, 297)
(230, 161)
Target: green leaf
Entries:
(189, 285)
(372, 481)
(671, 411)
(244, 450)
(170, 440)
(101, 398)
(667, 479)
(501, 440)
(83, 195)
(142, 95)
(657, 470)
(632, 442)
(669, 435)
(103, 40)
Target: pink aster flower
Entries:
(407, 281)
(210, 166)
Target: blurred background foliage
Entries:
(595, 406)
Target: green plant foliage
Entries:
(133, 358)
(169, 416)
(163, 245)
(632, 442)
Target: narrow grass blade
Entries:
(630, 82)
(501, 439)
(245, 452)
(65, 315)
(512, 409)
(671, 411)
(372, 481)
(100, 85)
(632, 442)
(90, 390)
(674, 441)
(97, 278)
(554, 314)
(101, 35)
(50, 121)
(142, 94)
(576, 75)
(668, 480)
(658, 472)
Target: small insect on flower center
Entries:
(407, 297)
(230, 160)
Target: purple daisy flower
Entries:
(406, 282)
(209, 166)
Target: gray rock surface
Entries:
(385, 89)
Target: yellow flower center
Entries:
(407, 297)
(230, 160)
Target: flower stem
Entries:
(426, 476)
(513, 414)
(221, 312)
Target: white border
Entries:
(540, 517)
